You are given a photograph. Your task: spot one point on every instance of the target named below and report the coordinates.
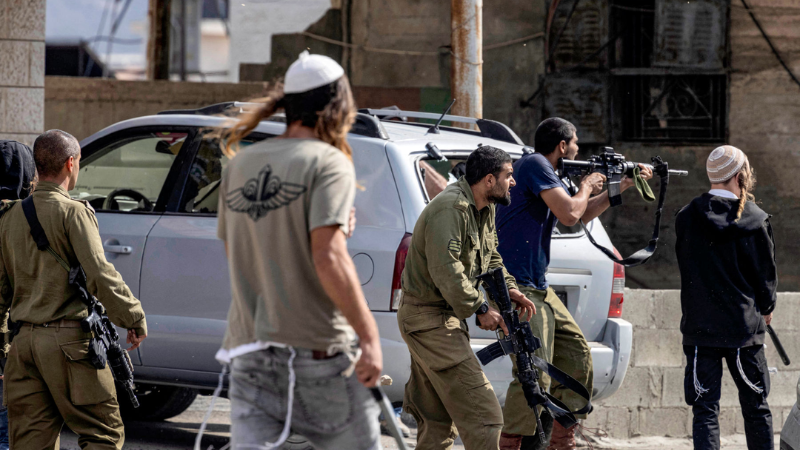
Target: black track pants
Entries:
(702, 388)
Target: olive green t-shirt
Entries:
(272, 195)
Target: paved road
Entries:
(179, 433)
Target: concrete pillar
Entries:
(21, 69)
(466, 37)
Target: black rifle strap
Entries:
(560, 411)
(38, 232)
(641, 256)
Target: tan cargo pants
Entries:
(448, 393)
(564, 346)
(49, 382)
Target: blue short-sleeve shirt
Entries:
(524, 228)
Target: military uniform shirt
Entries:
(32, 282)
(452, 243)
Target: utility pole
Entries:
(466, 68)
(158, 40)
(183, 40)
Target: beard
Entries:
(504, 200)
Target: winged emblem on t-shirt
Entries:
(261, 195)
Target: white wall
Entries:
(252, 24)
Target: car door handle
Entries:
(124, 249)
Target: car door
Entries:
(123, 176)
(185, 280)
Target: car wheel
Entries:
(156, 402)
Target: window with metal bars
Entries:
(668, 66)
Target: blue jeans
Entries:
(330, 410)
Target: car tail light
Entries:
(617, 289)
(399, 265)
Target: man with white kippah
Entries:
(301, 340)
(726, 256)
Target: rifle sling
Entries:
(38, 232)
(643, 255)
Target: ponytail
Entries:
(747, 182)
(331, 125)
(231, 134)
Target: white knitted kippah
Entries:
(724, 162)
(310, 72)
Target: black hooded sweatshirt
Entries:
(728, 272)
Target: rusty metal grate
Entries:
(632, 26)
(673, 108)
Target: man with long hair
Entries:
(297, 305)
(726, 256)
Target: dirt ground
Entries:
(179, 433)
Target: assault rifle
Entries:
(521, 342)
(104, 347)
(614, 166)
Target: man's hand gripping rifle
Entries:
(104, 346)
(614, 166)
(521, 342)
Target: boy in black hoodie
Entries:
(726, 256)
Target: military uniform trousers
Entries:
(564, 346)
(448, 393)
(50, 382)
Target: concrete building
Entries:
(21, 69)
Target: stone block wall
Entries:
(22, 69)
(84, 106)
(650, 401)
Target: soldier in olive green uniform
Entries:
(49, 380)
(454, 240)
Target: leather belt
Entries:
(319, 354)
(414, 301)
(63, 323)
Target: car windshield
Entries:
(436, 175)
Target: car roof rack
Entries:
(365, 124)
(488, 128)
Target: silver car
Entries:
(153, 181)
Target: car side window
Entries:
(128, 174)
(201, 194)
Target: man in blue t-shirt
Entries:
(538, 201)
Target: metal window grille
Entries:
(673, 108)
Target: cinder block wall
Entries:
(21, 69)
(651, 401)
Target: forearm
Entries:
(596, 206)
(339, 278)
(579, 203)
(107, 285)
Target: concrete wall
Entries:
(21, 69)
(651, 401)
(83, 106)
